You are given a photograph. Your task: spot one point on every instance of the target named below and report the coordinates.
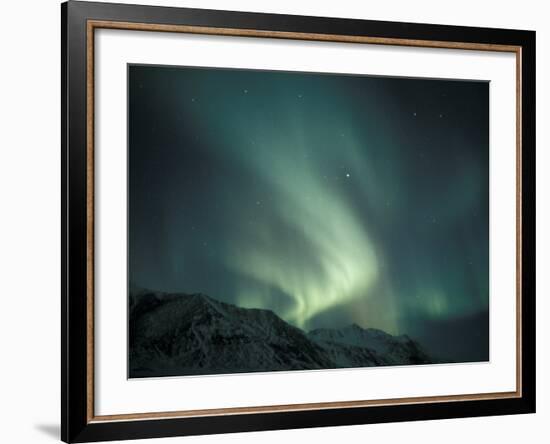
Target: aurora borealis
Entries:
(329, 199)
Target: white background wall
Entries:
(30, 209)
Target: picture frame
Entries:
(80, 181)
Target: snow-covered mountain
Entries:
(189, 334)
(354, 346)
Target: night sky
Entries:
(329, 199)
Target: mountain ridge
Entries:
(178, 334)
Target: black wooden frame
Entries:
(75, 425)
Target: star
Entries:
(192, 99)
(414, 114)
(440, 116)
(347, 175)
(245, 91)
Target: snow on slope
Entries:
(383, 348)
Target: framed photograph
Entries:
(275, 221)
